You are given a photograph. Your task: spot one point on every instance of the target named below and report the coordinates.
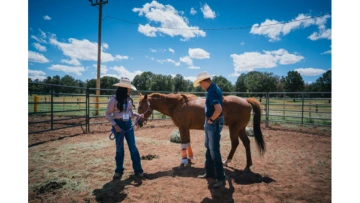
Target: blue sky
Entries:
(62, 38)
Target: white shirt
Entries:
(112, 112)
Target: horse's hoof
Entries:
(225, 163)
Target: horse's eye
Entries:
(140, 107)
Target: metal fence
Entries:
(52, 110)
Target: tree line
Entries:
(253, 81)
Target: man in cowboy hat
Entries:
(214, 122)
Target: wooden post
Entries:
(36, 100)
(284, 107)
(310, 108)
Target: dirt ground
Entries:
(69, 166)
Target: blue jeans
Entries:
(130, 139)
(213, 163)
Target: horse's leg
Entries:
(184, 145)
(234, 143)
(246, 142)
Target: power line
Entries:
(228, 28)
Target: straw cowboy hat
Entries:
(125, 82)
(202, 76)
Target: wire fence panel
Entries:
(53, 110)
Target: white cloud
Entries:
(249, 61)
(322, 34)
(168, 17)
(103, 69)
(235, 74)
(272, 28)
(208, 13)
(193, 11)
(125, 73)
(194, 67)
(41, 38)
(153, 50)
(169, 61)
(327, 52)
(242, 43)
(121, 57)
(76, 70)
(310, 71)
(47, 17)
(36, 74)
(198, 53)
(191, 78)
(71, 62)
(81, 50)
(171, 50)
(39, 47)
(37, 57)
(105, 46)
(186, 60)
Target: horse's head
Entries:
(144, 107)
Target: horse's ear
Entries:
(140, 94)
(145, 97)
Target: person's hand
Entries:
(117, 128)
(209, 121)
(140, 116)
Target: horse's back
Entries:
(236, 110)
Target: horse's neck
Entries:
(160, 105)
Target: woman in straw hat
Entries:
(214, 122)
(119, 113)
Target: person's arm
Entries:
(217, 111)
(215, 101)
(109, 110)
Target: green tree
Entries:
(223, 83)
(240, 84)
(106, 82)
(56, 80)
(256, 81)
(142, 82)
(68, 80)
(189, 86)
(158, 83)
(91, 83)
(180, 84)
(280, 84)
(294, 82)
(169, 83)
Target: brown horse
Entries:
(188, 112)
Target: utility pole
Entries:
(100, 3)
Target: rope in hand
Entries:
(122, 132)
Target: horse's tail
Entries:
(256, 125)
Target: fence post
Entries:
(310, 108)
(52, 107)
(87, 110)
(36, 101)
(267, 110)
(283, 106)
(302, 109)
